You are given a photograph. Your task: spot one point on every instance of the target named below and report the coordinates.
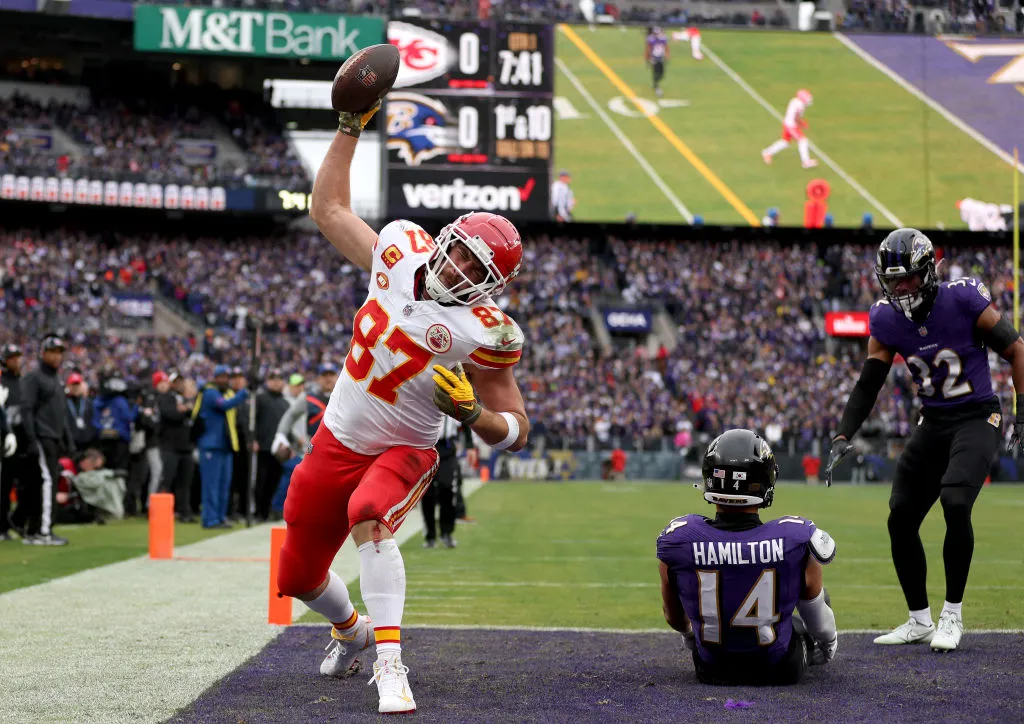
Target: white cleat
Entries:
(911, 632)
(766, 157)
(392, 679)
(948, 632)
(341, 661)
(810, 163)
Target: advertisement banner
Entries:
(125, 193)
(134, 305)
(847, 324)
(627, 320)
(416, 192)
(216, 31)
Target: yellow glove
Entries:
(352, 124)
(454, 395)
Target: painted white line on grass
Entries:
(627, 631)
(435, 585)
(927, 100)
(817, 149)
(627, 144)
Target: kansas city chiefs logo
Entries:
(439, 339)
(425, 55)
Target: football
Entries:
(364, 78)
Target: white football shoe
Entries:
(948, 632)
(341, 661)
(911, 632)
(392, 679)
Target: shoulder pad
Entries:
(822, 546)
(674, 524)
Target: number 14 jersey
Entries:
(384, 395)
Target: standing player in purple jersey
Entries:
(944, 331)
(730, 585)
(655, 54)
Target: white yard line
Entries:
(927, 100)
(868, 196)
(627, 144)
(664, 630)
(138, 640)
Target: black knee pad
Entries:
(957, 499)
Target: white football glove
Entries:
(4, 392)
(280, 441)
(10, 444)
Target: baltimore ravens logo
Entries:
(420, 128)
(921, 248)
(366, 76)
(439, 339)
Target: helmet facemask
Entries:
(914, 304)
(464, 291)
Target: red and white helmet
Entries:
(804, 96)
(493, 240)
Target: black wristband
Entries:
(1020, 407)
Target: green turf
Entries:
(874, 130)
(519, 565)
(89, 546)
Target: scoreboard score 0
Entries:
(471, 109)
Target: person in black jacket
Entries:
(80, 412)
(441, 493)
(45, 414)
(270, 408)
(176, 445)
(20, 468)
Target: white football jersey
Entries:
(385, 392)
(794, 112)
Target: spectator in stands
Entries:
(217, 408)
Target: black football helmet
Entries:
(905, 253)
(739, 470)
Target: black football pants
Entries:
(440, 494)
(658, 69)
(948, 463)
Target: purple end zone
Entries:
(517, 676)
(994, 110)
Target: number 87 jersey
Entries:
(384, 395)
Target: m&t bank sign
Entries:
(253, 32)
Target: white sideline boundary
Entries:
(138, 640)
(927, 100)
(867, 195)
(626, 631)
(626, 143)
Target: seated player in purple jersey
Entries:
(944, 331)
(731, 584)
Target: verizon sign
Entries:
(413, 193)
(847, 324)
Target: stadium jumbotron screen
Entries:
(898, 127)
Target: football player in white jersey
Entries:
(793, 126)
(428, 311)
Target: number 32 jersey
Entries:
(945, 356)
(384, 396)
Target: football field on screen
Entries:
(888, 153)
(581, 554)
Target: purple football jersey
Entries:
(657, 44)
(948, 362)
(738, 588)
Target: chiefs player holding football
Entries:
(429, 310)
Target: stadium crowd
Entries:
(750, 346)
(168, 140)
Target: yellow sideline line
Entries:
(668, 133)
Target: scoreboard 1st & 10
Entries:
(471, 108)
